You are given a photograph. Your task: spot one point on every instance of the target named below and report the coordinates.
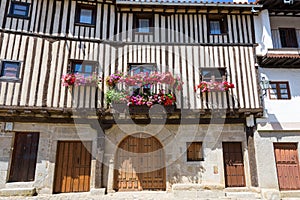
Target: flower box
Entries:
(139, 109)
(119, 107)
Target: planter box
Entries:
(142, 109)
(119, 107)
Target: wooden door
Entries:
(140, 164)
(233, 164)
(287, 164)
(24, 157)
(73, 166)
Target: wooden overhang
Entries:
(69, 115)
(173, 6)
(279, 8)
(280, 59)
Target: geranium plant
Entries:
(212, 86)
(113, 79)
(162, 98)
(77, 79)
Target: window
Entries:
(194, 151)
(216, 74)
(288, 37)
(144, 23)
(85, 14)
(279, 90)
(217, 24)
(138, 68)
(83, 67)
(19, 9)
(10, 70)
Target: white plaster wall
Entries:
(263, 33)
(266, 166)
(284, 22)
(174, 139)
(283, 114)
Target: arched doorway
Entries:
(140, 164)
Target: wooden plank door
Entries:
(73, 166)
(24, 157)
(288, 37)
(140, 164)
(233, 164)
(287, 164)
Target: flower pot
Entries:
(119, 107)
(139, 109)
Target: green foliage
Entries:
(115, 96)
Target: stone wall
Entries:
(266, 165)
(50, 134)
(174, 138)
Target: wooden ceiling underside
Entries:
(278, 7)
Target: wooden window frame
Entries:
(191, 145)
(223, 74)
(78, 12)
(279, 97)
(283, 38)
(6, 78)
(72, 63)
(137, 17)
(11, 13)
(222, 19)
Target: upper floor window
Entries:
(10, 70)
(215, 74)
(144, 22)
(86, 68)
(194, 151)
(85, 14)
(279, 90)
(288, 37)
(19, 9)
(139, 68)
(217, 24)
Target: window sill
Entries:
(194, 161)
(12, 80)
(215, 34)
(86, 25)
(144, 33)
(19, 16)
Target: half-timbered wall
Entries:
(57, 18)
(44, 62)
(183, 49)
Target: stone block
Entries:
(243, 195)
(98, 191)
(17, 192)
(290, 194)
(270, 194)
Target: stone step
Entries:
(290, 194)
(243, 195)
(6, 192)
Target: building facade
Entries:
(277, 133)
(58, 139)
